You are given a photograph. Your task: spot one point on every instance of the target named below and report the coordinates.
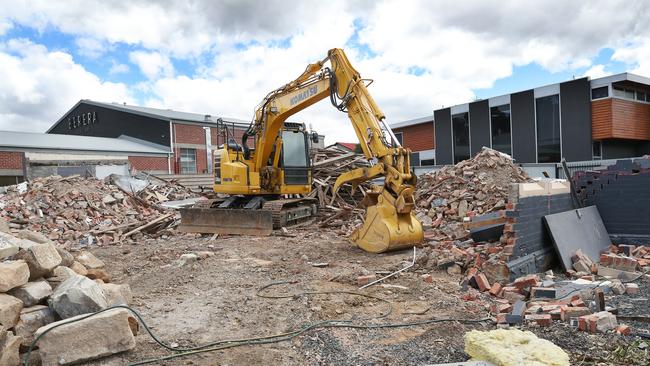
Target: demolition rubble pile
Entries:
(472, 187)
(581, 300)
(77, 211)
(343, 209)
(43, 286)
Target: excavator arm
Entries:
(390, 222)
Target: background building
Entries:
(418, 135)
(189, 137)
(582, 119)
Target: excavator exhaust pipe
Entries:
(385, 229)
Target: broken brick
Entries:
(623, 329)
(543, 320)
(482, 282)
(495, 290)
(364, 280)
(542, 293)
(428, 278)
(631, 288)
(526, 282)
(568, 312)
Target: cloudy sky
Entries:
(222, 57)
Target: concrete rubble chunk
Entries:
(77, 295)
(66, 257)
(41, 259)
(13, 274)
(89, 260)
(7, 249)
(117, 293)
(31, 319)
(33, 236)
(4, 226)
(9, 348)
(99, 336)
(32, 293)
(10, 308)
(79, 268)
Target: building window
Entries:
(602, 92)
(630, 94)
(415, 159)
(548, 129)
(188, 161)
(500, 117)
(460, 127)
(427, 158)
(398, 136)
(597, 148)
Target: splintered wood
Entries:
(344, 207)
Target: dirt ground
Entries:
(215, 298)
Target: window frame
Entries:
(184, 153)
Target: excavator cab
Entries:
(295, 157)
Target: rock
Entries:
(454, 269)
(98, 274)
(89, 260)
(77, 295)
(462, 208)
(13, 274)
(511, 347)
(79, 268)
(32, 293)
(66, 258)
(117, 294)
(33, 236)
(10, 308)
(7, 249)
(31, 319)
(4, 226)
(99, 336)
(108, 199)
(204, 254)
(9, 348)
(187, 258)
(41, 259)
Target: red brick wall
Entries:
(217, 139)
(11, 160)
(187, 134)
(148, 163)
(417, 137)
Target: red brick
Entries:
(543, 320)
(427, 278)
(364, 280)
(482, 282)
(578, 303)
(495, 290)
(501, 318)
(622, 329)
(526, 281)
(418, 137)
(631, 288)
(567, 312)
(471, 272)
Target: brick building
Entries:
(418, 135)
(27, 155)
(189, 137)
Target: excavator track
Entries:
(290, 211)
(209, 216)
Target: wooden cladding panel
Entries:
(631, 120)
(601, 119)
(620, 119)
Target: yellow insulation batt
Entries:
(513, 347)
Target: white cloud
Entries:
(596, 71)
(118, 68)
(91, 47)
(39, 86)
(457, 46)
(152, 64)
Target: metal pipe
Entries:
(392, 274)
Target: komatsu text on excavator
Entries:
(256, 178)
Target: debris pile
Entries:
(580, 300)
(472, 187)
(42, 286)
(76, 211)
(343, 209)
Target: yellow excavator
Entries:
(257, 180)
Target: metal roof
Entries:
(46, 141)
(412, 122)
(163, 114)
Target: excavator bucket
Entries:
(385, 229)
(226, 221)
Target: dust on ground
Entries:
(216, 298)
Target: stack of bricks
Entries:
(627, 181)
